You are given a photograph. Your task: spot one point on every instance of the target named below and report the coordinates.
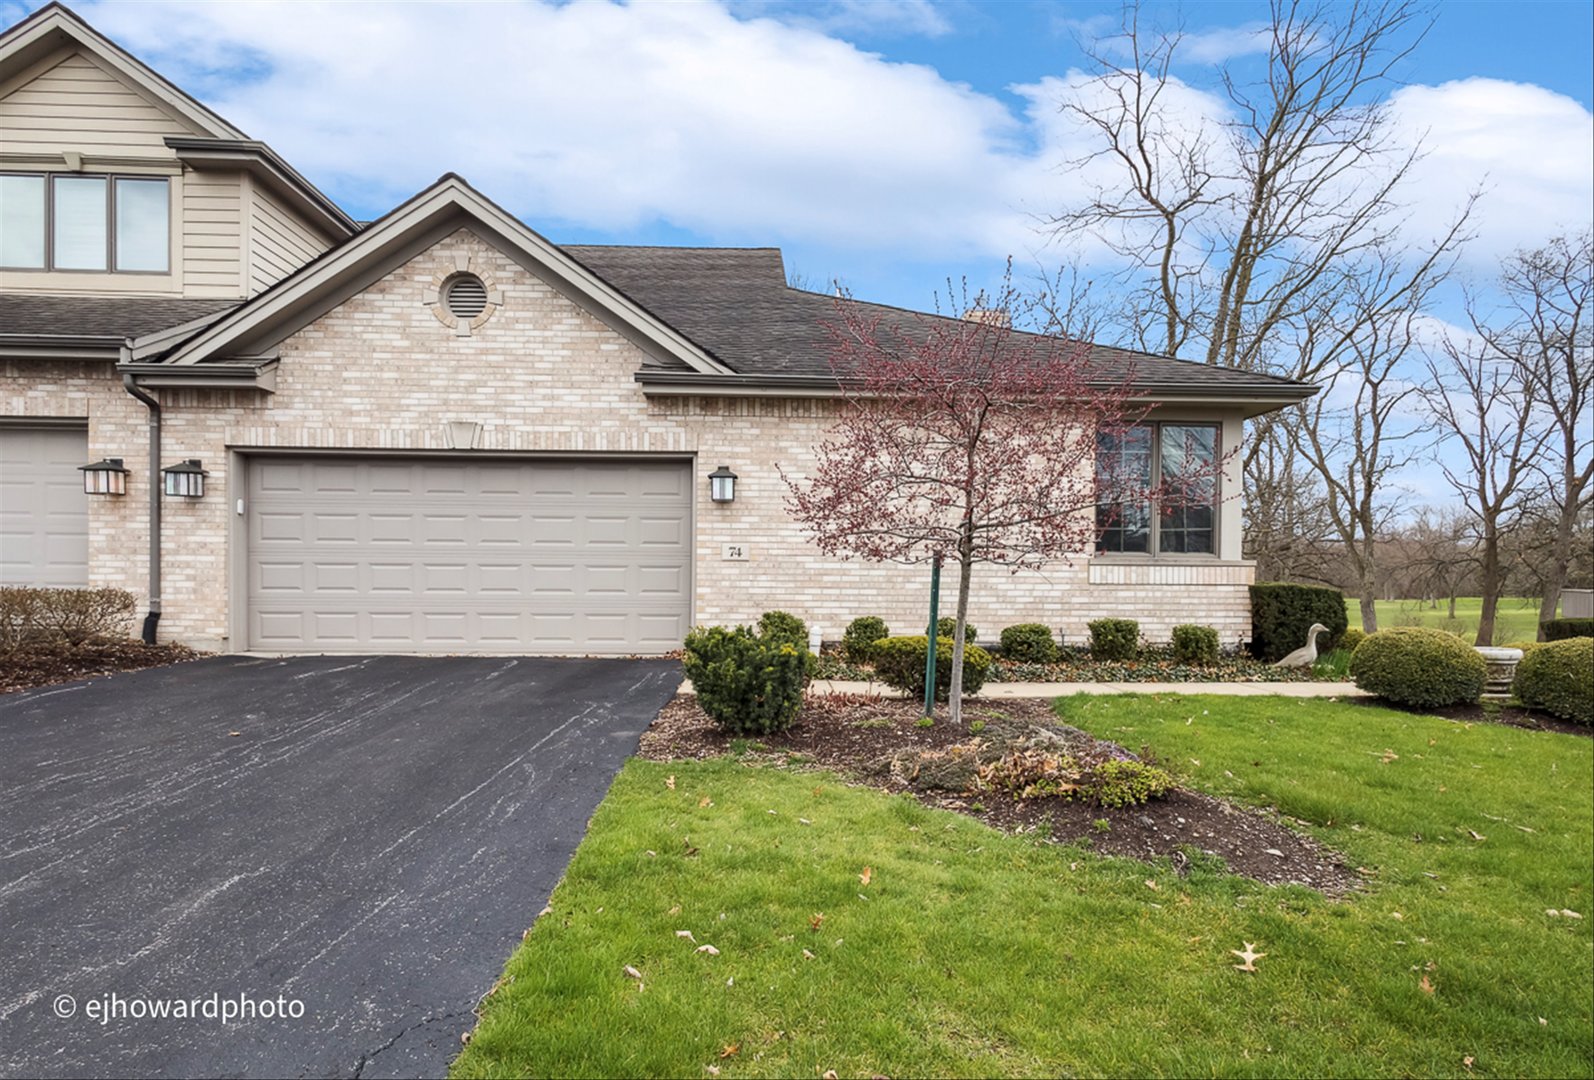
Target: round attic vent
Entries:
(465, 296)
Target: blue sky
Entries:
(891, 143)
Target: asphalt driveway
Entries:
(367, 836)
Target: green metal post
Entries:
(929, 657)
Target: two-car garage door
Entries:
(435, 555)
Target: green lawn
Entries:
(1516, 619)
(974, 953)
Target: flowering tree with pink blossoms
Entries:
(969, 440)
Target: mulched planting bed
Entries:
(853, 734)
(1509, 715)
(45, 665)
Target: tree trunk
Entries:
(1490, 581)
(1369, 601)
(955, 697)
(1452, 603)
(1560, 564)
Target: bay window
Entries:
(1178, 460)
(71, 221)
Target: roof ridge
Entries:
(677, 247)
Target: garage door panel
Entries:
(497, 556)
(44, 515)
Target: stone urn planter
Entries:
(1502, 665)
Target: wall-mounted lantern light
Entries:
(722, 485)
(104, 477)
(186, 479)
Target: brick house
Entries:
(440, 431)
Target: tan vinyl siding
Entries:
(78, 106)
(212, 216)
(279, 241)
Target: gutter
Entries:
(261, 161)
(694, 382)
(59, 347)
(151, 620)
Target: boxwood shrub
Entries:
(1114, 639)
(1558, 677)
(1029, 643)
(899, 661)
(1419, 667)
(1194, 644)
(861, 634)
(1562, 629)
(947, 626)
(748, 684)
(784, 627)
(1352, 637)
(1281, 613)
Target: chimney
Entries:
(990, 317)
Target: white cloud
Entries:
(1226, 43)
(1530, 150)
(1213, 46)
(748, 129)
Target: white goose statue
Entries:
(1306, 655)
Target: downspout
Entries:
(154, 617)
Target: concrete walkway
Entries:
(1050, 690)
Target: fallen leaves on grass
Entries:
(1426, 985)
(1475, 835)
(705, 802)
(867, 875)
(687, 934)
(1249, 955)
(730, 1050)
(711, 950)
(669, 781)
(815, 921)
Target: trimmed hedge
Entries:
(1029, 643)
(1419, 667)
(1194, 644)
(861, 634)
(947, 626)
(899, 662)
(1352, 637)
(1558, 677)
(1114, 639)
(748, 684)
(1563, 629)
(1282, 612)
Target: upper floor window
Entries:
(68, 221)
(1180, 458)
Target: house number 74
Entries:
(734, 553)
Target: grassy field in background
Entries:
(1516, 620)
(867, 934)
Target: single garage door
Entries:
(440, 556)
(44, 515)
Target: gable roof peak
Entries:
(56, 26)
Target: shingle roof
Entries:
(735, 304)
(117, 317)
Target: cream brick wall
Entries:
(380, 372)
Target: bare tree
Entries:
(1286, 524)
(1487, 411)
(1364, 427)
(1545, 330)
(1251, 244)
